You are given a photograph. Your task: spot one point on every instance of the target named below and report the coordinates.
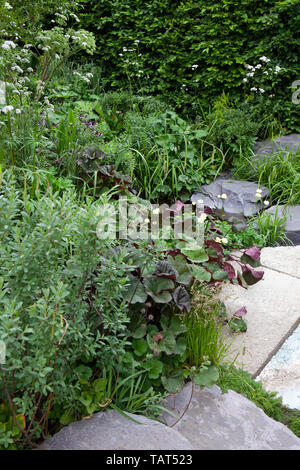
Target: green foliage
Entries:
(272, 228)
(60, 300)
(187, 51)
(279, 173)
(232, 130)
(205, 339)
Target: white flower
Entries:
(194, 203)
(277, 69)
(266, 73)
(17, 68)
(8, 45)
(7, 109)
(202, 218)
(258, 195)
(250, 74)
(261, 90)
(18, 111)
(253, 89)
(249, 67)
(263, 58)
(218, 240)
(258, 66)
(266, 203)
(147, 221)
(259, 190)
(224, 240)
(224, 196)
(7, 5)
(245, 80)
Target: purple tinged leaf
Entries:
(253, 252)
(240, 313)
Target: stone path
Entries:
(273, 307)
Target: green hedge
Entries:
(221, 37)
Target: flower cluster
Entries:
(262, 73)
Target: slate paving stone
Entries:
(265, 149)
(292, 228)
(241, 201)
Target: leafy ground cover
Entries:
(91, 322)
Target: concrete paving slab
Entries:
(273, 306)
(282, 373)
(283, 259)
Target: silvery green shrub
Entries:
(60, 302)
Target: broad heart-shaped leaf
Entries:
(180, 346)
(173, 381)
(158, 288)
(168, 342)
(140, 346)
(247, 260)
(251, 276)
(137, 327)
(200, 273)
(135, 292)
(220, 275)
(183, 269)
(182, 299)
(154, 366)
(253, 253)
(238, 324)
(172, 323)
(195, 254)
(165, 269)
(207, 377)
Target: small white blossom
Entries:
(7, 45)
(250, 74)
(18, 111)
(7, 5)
(7, 109)
(261, 90)
(218, 240)
(245, 80)
(202, 218)
(253, 89)
(224, 196)
(224, 241)
(266, 203)
(258, 66)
